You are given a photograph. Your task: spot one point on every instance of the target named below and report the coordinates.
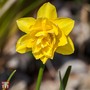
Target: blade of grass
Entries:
(30, 8)
(66, 77)
(2, 2)
(7, 20)
(61, 82)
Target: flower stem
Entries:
(11, 76)
(40, 76)
(8, 80)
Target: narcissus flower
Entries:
(46, 34)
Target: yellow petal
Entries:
(66, 49)
(24, 24)
(41, 33)
(39, 40)
(47, 10)
(36, 48)
(55, 29)
(44, 44)
(38, 55)
(44, 59)
(65, 24)
(62, 40)
(30, 42)
(21, 46)
(47, 51)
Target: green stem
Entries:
(40, 76)
(11, 75)
(8, 80)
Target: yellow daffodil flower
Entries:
(45, 34)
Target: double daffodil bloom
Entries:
(45, 34)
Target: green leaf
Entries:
(63, 82)
(66, 76)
